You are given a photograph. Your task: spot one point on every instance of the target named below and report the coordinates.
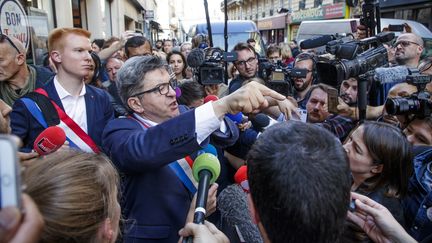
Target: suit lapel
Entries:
(90, 109)
(52, 93)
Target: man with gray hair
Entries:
(148, 146)
(16, 77)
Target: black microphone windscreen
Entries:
(195, 58)
(260, 121)
(233, 205)
(316, 41)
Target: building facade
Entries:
(103, 18)
(278, 20)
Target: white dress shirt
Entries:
(75, 107)
(206, 122)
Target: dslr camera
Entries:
(418, 103)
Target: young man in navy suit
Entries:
(156, 136)
(88, 107)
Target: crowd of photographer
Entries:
(316, 131)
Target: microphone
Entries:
(396, 74)
(49, 140)
(210, 98)
(233, 206)
(260, 122)
(178, 92)
(195, 58)
(240, 178)
(316, 41)
(236, 118)
(210, 149)
(206, 170)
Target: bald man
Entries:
(16, 77)
(409, 48)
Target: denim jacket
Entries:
(418, 202)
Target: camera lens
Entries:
(398, 106)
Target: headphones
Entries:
(309, 56)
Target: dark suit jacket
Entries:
(98, 108)
(154, 201)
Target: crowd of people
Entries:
(136, 117)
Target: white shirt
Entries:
(206, 122)
(75, 107)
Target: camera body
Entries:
(352, 60)
(212, 70)
(418, 103)
(278, 77)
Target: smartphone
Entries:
(353, 24)
(396, 27)
(10, 184)
(352, 206)
(333, 100)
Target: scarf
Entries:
(10, 95)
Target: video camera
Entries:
(418, 103)
(208, 64)
(279, 77)
(351, 60)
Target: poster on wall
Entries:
(39, 34)
(14, 22)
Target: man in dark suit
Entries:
(145, 146)
(87, 106)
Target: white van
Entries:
(309, 29)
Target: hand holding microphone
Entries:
(206, 170)
(49, 140)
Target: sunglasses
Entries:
(5, 37)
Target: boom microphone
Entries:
(195, 58)
(233, 205)
(316, 41)
(49, 140)
(396, 74)
(206, 170)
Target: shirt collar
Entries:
(146, 121)
(62, 93)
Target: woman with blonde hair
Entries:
(76, 193)
(287, 57)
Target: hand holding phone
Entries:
(333, 100)
(10, 186)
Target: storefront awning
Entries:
(155, 25)
(274, 22)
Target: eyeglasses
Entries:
(249, 61)
(163, 88)
(5, 37)
(404, 43)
